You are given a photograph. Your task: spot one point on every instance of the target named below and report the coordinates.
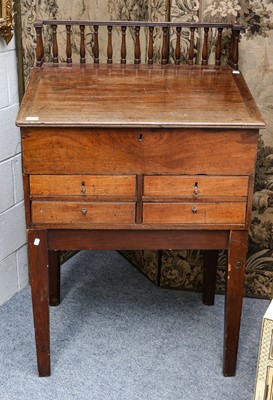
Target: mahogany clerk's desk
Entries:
(138, 157)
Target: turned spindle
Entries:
(109, 46)
(205, 47)
(191, 49)
(135, 29)
(218, 50)
(164, 57)
(235, 48)
(39, 46)
(123, 45)
(82, 45)
(96, 50)
(151, 45)
(137, 45)
(177, 54)
(54, 44)
(68, 45)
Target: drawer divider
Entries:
(139, 203)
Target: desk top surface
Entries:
(138, 96)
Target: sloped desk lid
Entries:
(143, 96)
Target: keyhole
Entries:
(83, 190)
(196, 190)
(140, 137)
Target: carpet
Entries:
(116, 336)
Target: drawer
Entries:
(138, 151)
(63, 212)
(200, 213)
(73, 185)
(196, 185)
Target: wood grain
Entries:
(119, 151)
(27, 200)
(235, 274)
(38, 268)
(170, 96)
(85, 185)
(206, 213)
(54, 277)
(209, 276)
(137, 157)
(73, 239)
(174, 186)
(69, 212)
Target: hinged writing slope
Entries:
(139, 96)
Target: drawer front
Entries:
(44, 212)
(210, 186)
(138, 151)
(200, 213)
(73, 185)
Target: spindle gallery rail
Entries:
(136, 26)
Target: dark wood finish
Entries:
(177, 47)
(139, 204)
(96, 44)
(205, 47)
(123, 45)
(236, 28)
(218, 52)
(54, 277)
(68, 45)
(141, 227)
(235, 48)
(249, 204)
(109, 46)
(82, 45)
(209, 276)
(54, 44)
(164, 54)
(83, 239)
(38, 269)
(27, 199)
(235, 273)
(50, 22)
(191, 49)
(138, 157)
(39, 46)
(151, 45)
(137, 46)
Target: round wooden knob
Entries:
(194, 209)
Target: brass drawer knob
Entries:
(194, 210)
(84, 211)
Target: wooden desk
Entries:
(138, 157)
